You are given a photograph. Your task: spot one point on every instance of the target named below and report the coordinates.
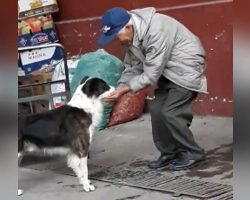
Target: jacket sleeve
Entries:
(158, 50)
(131, 69)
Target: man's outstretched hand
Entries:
(116, 94)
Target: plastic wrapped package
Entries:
(59, 74)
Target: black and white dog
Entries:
(66, 130)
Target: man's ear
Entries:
(84, 79)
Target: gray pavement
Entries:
(128, 145)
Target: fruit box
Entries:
(36, 30)
(30, 8)
(43, 59)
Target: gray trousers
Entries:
(171, 116)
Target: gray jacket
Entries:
(163, 46)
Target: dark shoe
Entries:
(184, 164)
(162, 161)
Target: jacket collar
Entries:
(137, 39)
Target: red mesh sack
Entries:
(128, 107)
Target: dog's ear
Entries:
(84, 79)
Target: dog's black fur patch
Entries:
(65, 126)
(84, 79)
(94, 88)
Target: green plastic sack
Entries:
(102, 65)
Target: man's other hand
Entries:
(116, 94)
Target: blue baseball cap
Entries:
(112, 22)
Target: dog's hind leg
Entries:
(85, 180)
(20, 156)
(19, 192)
(79, 166)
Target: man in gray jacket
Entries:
(161, 50)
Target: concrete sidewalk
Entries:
(126, 145)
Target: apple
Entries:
(48, 25)
(22, 24)
(43, 19)
(30, 20)
(36, 25)
(26, 30)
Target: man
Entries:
(161, 50)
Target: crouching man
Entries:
(161, 50)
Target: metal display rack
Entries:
(48, 97)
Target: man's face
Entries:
(126, 36)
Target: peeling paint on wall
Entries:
(219, 35)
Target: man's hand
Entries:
(116, 94)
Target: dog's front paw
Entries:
(19, 192)
(88, 187)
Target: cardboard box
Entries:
(35, 78)
(43, 59)
(39, 78)
(30, 8)
(38, 106)
(36, 30)
(41, 106)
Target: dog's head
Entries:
(95, 87)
